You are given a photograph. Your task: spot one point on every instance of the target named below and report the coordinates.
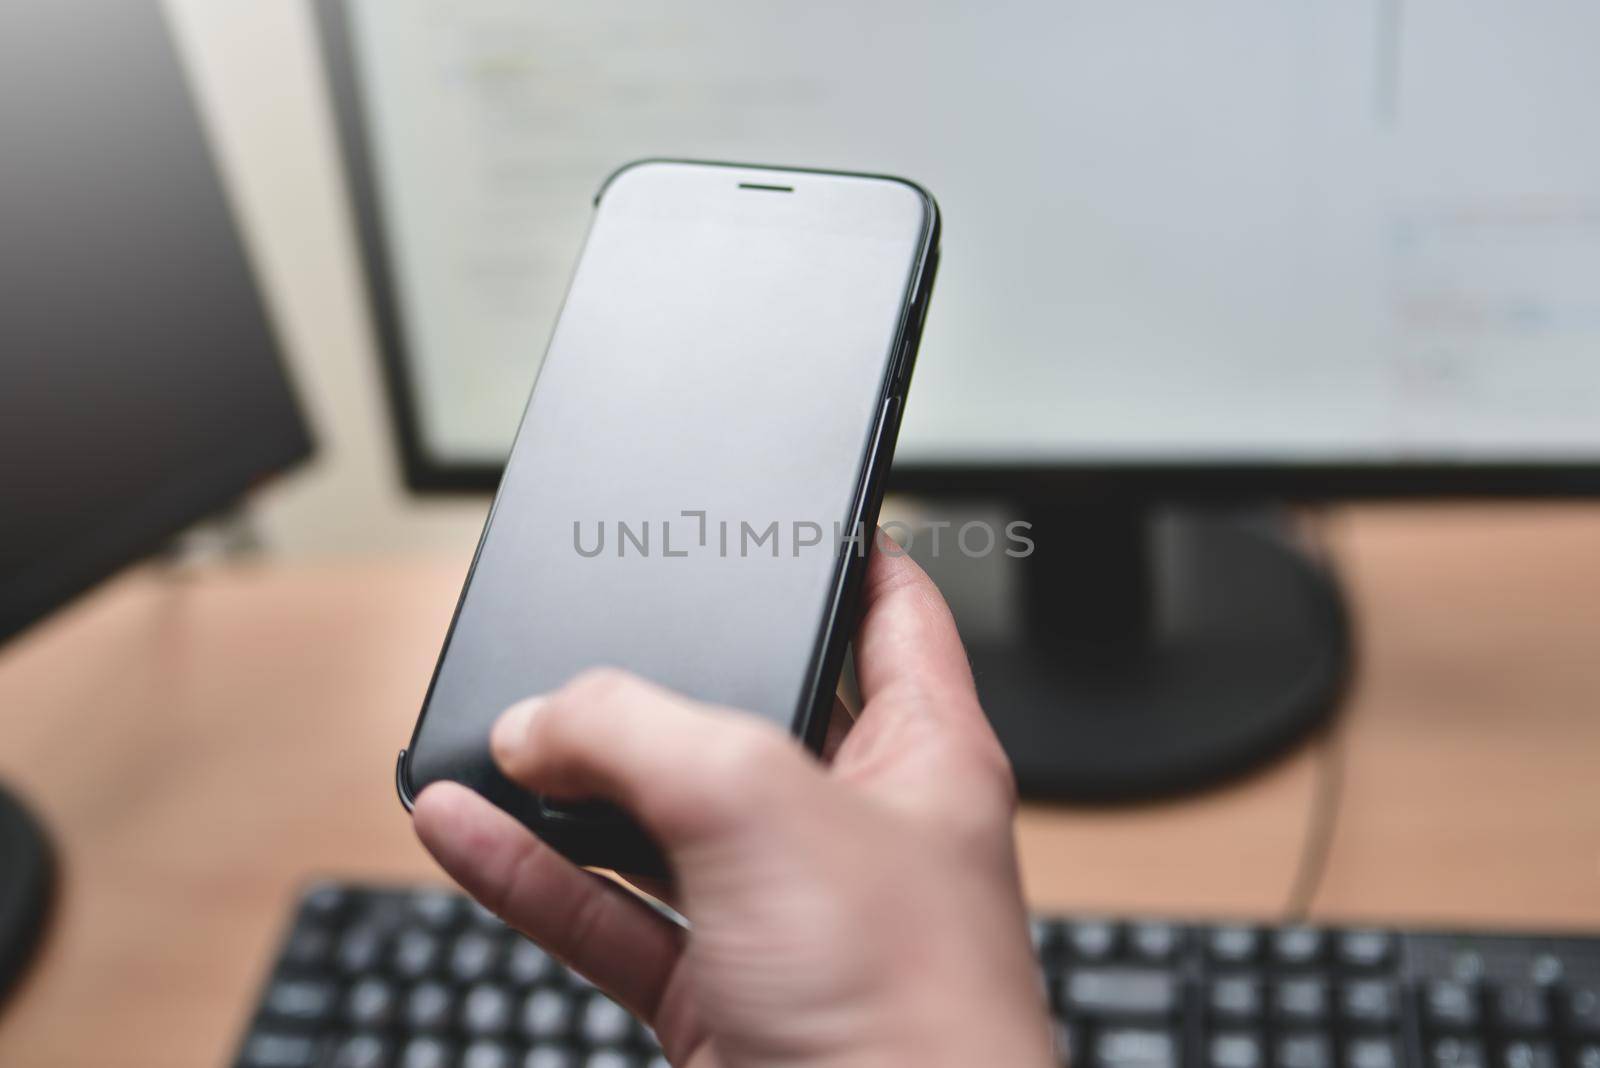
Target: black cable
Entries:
(1322, 816)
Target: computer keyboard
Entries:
(400, 978)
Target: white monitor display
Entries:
(1229, 233)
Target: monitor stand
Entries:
(1138, 652)
(26, 887)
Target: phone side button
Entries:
(877, 461)
(902, 364)
(888, 425)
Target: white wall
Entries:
(256, 67)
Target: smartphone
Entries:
(692, 492)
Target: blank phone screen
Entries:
(680, 494)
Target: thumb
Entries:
(908, 651)
(685, 770)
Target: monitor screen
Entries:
(140, 386)
(1240, 234)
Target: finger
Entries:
(686, 771)
(617, 942)
(907, 647)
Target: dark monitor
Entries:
(141, 387)
(1203, 254)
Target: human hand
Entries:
(864, 912)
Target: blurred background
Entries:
(1280, 325)
(1351, 235)
(258, 76)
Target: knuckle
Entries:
(978, 828)
(1003, 781)
(987, 804)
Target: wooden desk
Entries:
(201, 745)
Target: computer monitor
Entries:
(1193, 252)
(141, 387)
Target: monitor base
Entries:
(1151, 655)
(26, 888)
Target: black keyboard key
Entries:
(1450, 1006)
(1235, 1049)
(360, 949)
(301, 1001)
(1372, 1051)
(1300, 1000)
(429, 1007)
(370, 1003)
(486, 1010)
(1525, 1054)
(385, 912)
(415, 953)
(361, 1051)
(1547, 969)
(487, 1053)
(1119, 992)
(1235, 997)
(1068, 1042)
(309, 948)
(1155, 942)
(438, 909)
(546, 1014)
(1587, 1056)
(604, 1023)
(1520, 1008)
(1369, 1003)
(1092, 940)
(1045, 936)
(473, 956)
(1365, 948)
(327, 902)
(272, 1049)
(1298, 947)
(527, 964)
(610, 1058)
(1122, 1047)
(427, 1052)
(1234, 944)
(549, 1056)
(1458, 1053)
(1583, 1010)
(1303, 1049)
